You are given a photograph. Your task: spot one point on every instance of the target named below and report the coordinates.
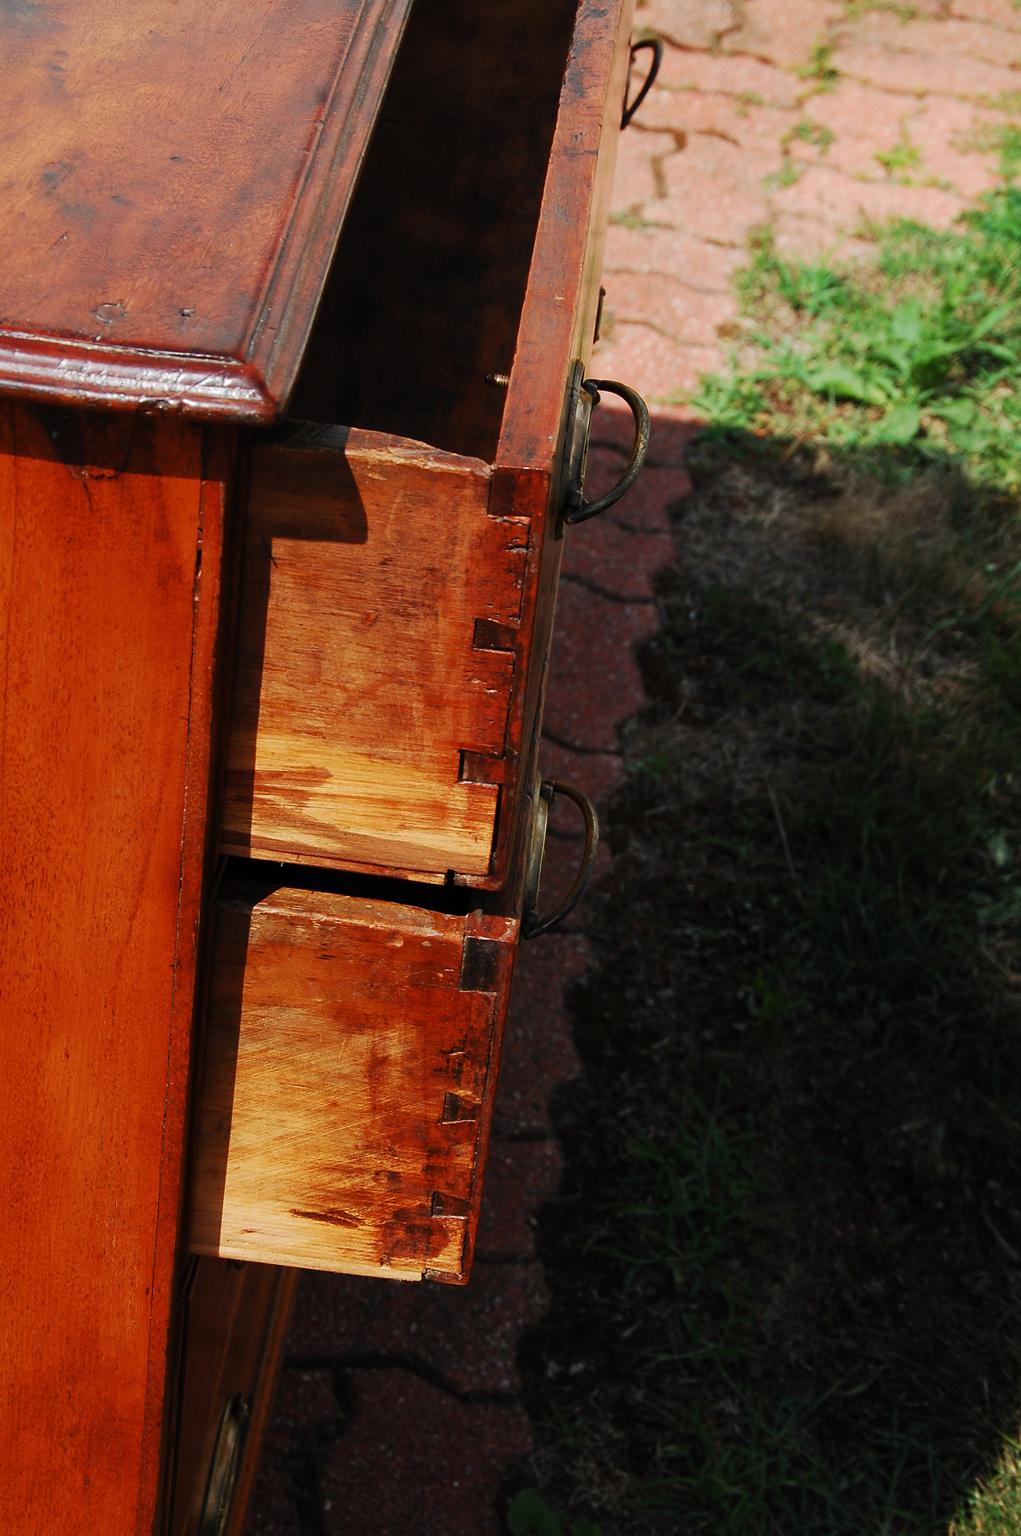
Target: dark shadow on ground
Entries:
(786, 1256)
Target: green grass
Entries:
(1004, 101)
(855, 9)
(1001, 139)
(901, 158)
(789, 173)
(921, 355)
(807, 132)
(630, 218)
(819, 68)
(786, 1257)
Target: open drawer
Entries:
(346, 1089)
(399, 570)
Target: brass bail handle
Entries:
(225, 1466)
(578, 510)
(532, 924)
(647, 45)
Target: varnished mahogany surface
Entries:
(107, 618)
(172, 181)
(561, 299)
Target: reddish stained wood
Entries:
(236, 1318)
(177, 177)
(562, 297)
(556, 330)
(378, 613)
(347, 1073)
(427, 287)
(102, 785)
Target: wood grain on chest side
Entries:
(108, 634)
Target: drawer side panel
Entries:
(346, 1076)
(379, 607)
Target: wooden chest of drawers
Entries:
(292, 344)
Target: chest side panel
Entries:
(100, 527)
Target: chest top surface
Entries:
(173, 177)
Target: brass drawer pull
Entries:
(532, 924)
(577, 509)
(226, 1463)
(647, 45)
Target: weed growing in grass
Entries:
(530, 1515)
(904, 156)
(854, 10)
(791, 170)
(819, 68)
(1004, 101)
(788, 175)
(630, 218)
(1002, 139)
(807, 132)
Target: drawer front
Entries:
(561, 301)
(232, 1322)
(344, 1102)
(375, 667)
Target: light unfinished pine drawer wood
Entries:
(346, 1090)
(379, 603)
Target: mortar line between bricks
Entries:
(682, 282)
(555, 738)
(657, 330)
(715, 133)
(412, 1365)
(930, 91)
(888, 45)
(648, 533)
(726, 53)
(605, 593)
(612, 272)
(738, 96)
(993, 26)
(667, 277)
(529, 1135)
(695, 47)
(507, 1260)
(861, 181)
(597, 445)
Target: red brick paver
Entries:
(400, 1407)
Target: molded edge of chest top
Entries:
(172, 182)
